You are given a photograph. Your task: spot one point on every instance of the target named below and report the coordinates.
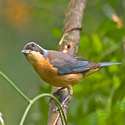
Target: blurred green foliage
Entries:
(100, 98)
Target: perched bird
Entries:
(57, 68)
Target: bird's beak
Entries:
(25, 51)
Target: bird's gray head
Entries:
(34, 52)
(32, 46)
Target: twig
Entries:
(14, 86)
(63, 118)
(1, 119)
(32, 101)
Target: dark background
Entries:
(97, 100)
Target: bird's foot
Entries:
(64, 99)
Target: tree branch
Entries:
(72, 27)
(68, 44)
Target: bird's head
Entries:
(34, 52)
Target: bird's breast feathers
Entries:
(50, 74)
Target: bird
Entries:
(60, 69)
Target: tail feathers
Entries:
(104, 64)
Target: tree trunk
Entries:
(68, 44)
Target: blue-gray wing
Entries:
(67, 64)
(80, 66)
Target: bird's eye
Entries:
(32, 45)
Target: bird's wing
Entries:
(69, 65)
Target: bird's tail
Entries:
(104, 64)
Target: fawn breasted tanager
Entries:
(57, 68)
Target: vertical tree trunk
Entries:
(68, 44)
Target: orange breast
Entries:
(50, 74)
